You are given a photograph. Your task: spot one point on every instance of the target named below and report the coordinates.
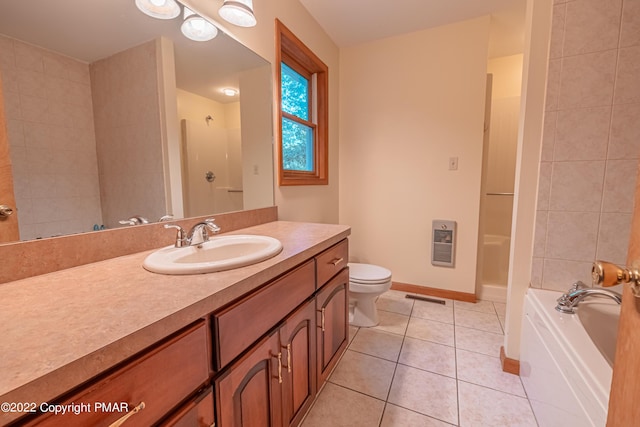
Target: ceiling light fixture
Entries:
(238, 12)
(197, 28)
(161, 9)
(230, 92)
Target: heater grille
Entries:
(443, 243)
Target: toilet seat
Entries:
(368, 274)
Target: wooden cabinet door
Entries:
(332, 329)
(249, 393)
(195, 413)
(298, 346)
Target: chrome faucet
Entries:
(568, 301)
(198, 234)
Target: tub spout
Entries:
(569, 301)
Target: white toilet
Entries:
(366, 282)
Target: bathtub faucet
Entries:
(568, 301)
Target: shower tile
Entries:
(548, 136)
(613, 225)
(576, 186)
(544, 185)
(557, 31)
(486, 371)
(365, 374)
(536, 272)
(480, 406)
(585, 15)
(477, 320)
(483, 342)
(28, 57)
(582, 134)
(433, 311)
(559, 274)
(429, 330)
(619, 186)
(338, 406)
(628, 76)
(624, 140)
(540, 234)
(377, 343)
(553, 85)
(429, 356)
(425, 392)
(395, 416)
(575, 236)
(587, 80)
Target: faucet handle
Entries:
(181, 235)
(211, 225)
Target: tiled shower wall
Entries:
(50, 126)
(591, 142)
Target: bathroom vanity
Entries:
(110, 341)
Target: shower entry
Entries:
(211, 168)
(496, 202)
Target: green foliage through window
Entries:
(297, 138)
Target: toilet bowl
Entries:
(366, 283)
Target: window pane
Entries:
(297, 146)
(295, 93)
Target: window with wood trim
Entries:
(302, 112)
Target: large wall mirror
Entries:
(113, 114)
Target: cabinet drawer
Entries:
(196, 413)
(331, 261)
(241, 324)
(161, 378)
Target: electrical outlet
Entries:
(453, 163)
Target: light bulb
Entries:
(160, 9)
(238, 12)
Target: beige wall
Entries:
(299, 203)
(408, 104)
(52, 143)
(591, 143)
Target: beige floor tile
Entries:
(483, 407)
(503, 321)
(395, 302)
(478, 320)
(486, 371)
(392, 322)
(366, 374)
(430, 330)
(425, 392)
(353, 330)
(483, 306)
(479, 341)
(340, 407)
(429, 356)
(377, 343)
(501, 308)
(432, 311)
(395, 416)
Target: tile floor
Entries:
(425, 364)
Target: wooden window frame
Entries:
(294, 53)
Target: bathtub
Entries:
(565, 359)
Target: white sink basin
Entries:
(219, 253)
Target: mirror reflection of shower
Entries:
(498, 178)
(212, 165)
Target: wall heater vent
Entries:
(443, 244)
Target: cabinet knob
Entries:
(5, 211)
